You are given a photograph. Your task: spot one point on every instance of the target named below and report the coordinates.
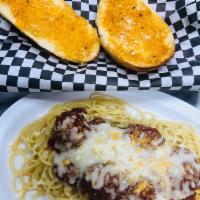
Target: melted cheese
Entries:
(107, 144)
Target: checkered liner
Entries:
(26, 67)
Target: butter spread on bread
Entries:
(55, 26)
(133, 34)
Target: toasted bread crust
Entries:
(55, 26)
(134, 35)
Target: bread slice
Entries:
(133, 34)
(55, 26)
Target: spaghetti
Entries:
(35, 174)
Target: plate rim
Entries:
(36, 96)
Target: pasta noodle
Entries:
(35, 173)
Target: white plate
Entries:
(36, 105)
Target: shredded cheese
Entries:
(106, 144)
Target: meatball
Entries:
(68, 174)
(191, 175)
(68, 131)
(145, 136)
(103, 193)
(110, 188)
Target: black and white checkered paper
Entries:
(24, 66)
